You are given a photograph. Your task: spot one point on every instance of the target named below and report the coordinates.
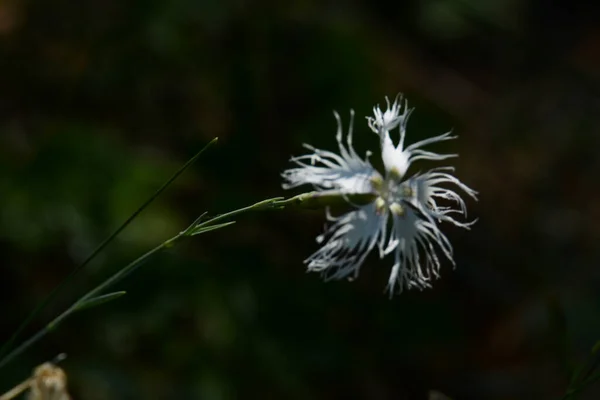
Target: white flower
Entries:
(408, 205)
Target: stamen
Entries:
(377, 182)
(379, 206)
(395, 173)
(397, 209)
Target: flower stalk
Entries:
(6, 346)
(194, 229)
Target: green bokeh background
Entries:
(101, 101)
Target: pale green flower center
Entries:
(391, 193)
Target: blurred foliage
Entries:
(101, 101)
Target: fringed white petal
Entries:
(347, 242)
(396, 158)
(390, 119)
(415, 258)
(326, 170)
(427, 192)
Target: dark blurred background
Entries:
(101, 101)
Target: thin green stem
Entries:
(318, 200)
(131, 267)
(577, 382)
(7, 345)
(96, 291)
(585, 383)
(265, 204)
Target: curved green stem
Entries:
(585, 383)
(6, 346)
(195, 228)
(92, 293)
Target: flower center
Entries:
(391, 194)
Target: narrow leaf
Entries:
(96, 301)
(203, 229)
